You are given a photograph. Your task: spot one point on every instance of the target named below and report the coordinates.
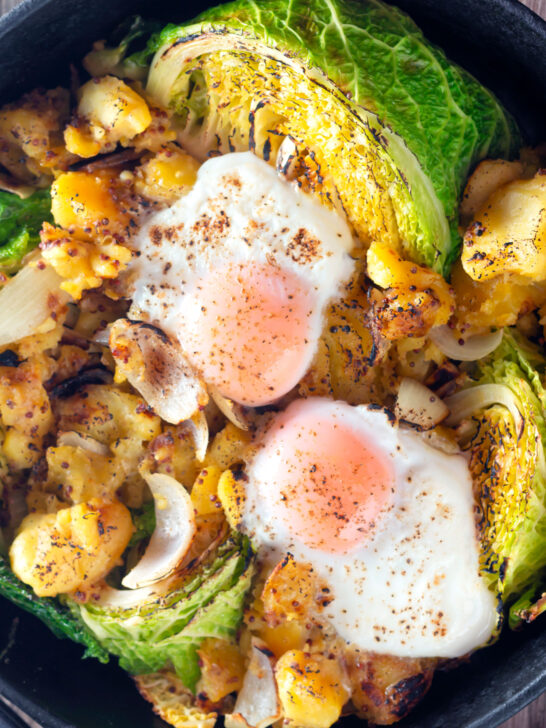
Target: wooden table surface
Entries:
(534, 716)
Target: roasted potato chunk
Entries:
(109, 111)
(508, 234)
(64, 552)
(312, 688)
(386, 688)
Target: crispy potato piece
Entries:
(109, 111)
(495, 302)
(231, 493)
(63, 552)
(386, 688)
(88, 204)
(166, 176)
(416, 298)
(25, 412)
(106, 414)
(82, 474)
(289, 592)
(33, 125)
(312, 688)
(222, 668)
(508, 234)
(204, 493)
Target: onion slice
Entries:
(465, 403)
(72, 438)
(173, 534)
(287, 157)
(474, 348)
(27, 300)
(257, 704)
(235, 413)
(200, 431)
(156, 367)
(419, 405)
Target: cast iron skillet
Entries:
(504, 45)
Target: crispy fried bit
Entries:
(386, 688)
(416, 298)
(312, 688)
(64, 552)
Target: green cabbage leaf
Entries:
(508, 464)
(61, 620)
(381, 118)
(20, 223)
(166, 631)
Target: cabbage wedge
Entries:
(164, 625)
(382, 123)
(508, 465)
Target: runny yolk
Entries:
(248, 330)
(328, 483)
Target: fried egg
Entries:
(240, 271)
(385, 520)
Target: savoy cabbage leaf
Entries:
(61, 620)
(167, 631)
(444, 121)
(508, 463)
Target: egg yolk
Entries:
(328, 483)
(248, 330)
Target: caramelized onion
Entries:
(27, 300)
(235, 413)
(200, 431)
(72, 438)
(257, 704)
(465, 403)
(173, 534)
(474, 348)
(419, 405)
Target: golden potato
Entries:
(62, 552)
(204, 493)
(85, 204)
(312, 688)
(166, 176)
(508, 234)
(386, 688)
(82, 264)
(109, 111)
(222, 668)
